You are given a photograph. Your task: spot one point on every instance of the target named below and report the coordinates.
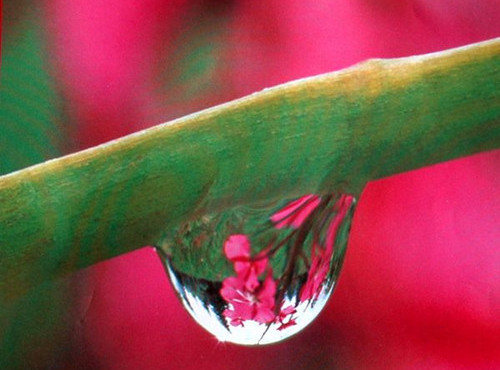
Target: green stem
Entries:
(332, 132)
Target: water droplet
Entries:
(259, 275)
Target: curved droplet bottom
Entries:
(209, 313)
(260, 275)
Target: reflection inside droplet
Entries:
(259, 275)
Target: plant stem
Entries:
(332, 132)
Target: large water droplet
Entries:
(259, 275)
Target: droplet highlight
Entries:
(258, 275)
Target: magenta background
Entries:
(420, 287)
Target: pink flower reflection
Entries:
(285, 317)
(295, 213)
(237, 250)
(250, 299)
(255, 305)
(317, 272)
(321, 257)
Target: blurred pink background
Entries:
(421, 281)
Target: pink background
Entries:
(421, 283)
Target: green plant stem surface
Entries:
(331, 132)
